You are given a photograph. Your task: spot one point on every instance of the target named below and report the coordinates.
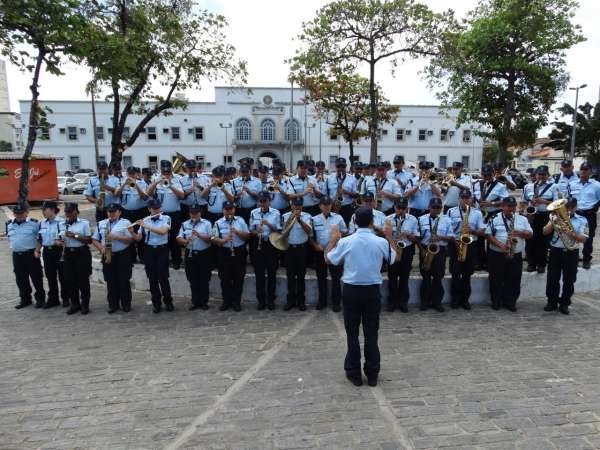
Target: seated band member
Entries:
(78, 259)
(322, 226)
(263, 221)
(506, 234)
(195, 236)
(404, 231)
(420, 190)
(112, 238)
(368, 200)
(295, 255)
(564, 259)
(462, 254)
(154, 232)
(343, 184)
(51, 229)
(230, 234)
(22, 233)
(539, 194)
(436, 232)
(362, 254)
(587, 192)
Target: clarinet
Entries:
(64, 243)
(231, 247)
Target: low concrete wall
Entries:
(532, 284)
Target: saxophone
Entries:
(337, 204)
(465, 237)
(511, 242)
(396, 237)
(432, 249)
(101, 201)
(107, 259)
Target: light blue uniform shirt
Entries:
(420, 199)
(453, 193)
(51, 231)
(401, 177)
(580, 225)
(22, 236)
(297, 185)
(253, 184)
(93, 188)
(444, 228)
(151, 238)
(497, 228)
(222, 229)
(272, 216)
(298, 235)
(130, 197)
(407, 224)
(565, 184)
(378, 221)
(588, 194)
(80, 227)
(546, 191)
(318, 186)
(322, 227)
(202, 226)
(278, 200)
(168, 199)
(495, 191)
(363, 254)
(117, 228)
(348, 184)
(457, 215)
(374, 185)
(264, 185)
(216, 197)
(194, 197)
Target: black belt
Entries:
(25, 252)
(585, 211)
(52, 247)
(198, 252)
(156, 246)
(77, 249)
(562, 249)
(297, 245)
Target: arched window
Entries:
(267, 130)
(243, 130)
(294, 130)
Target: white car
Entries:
(70, 185)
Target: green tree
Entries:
(504, 66)
(144, 51)
(6, 146)
(587, 138)
(349, 33)
(343, 102)
(36, 35)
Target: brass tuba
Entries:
(465, 238)
(562, 223)
(180, 160)
(280, 240)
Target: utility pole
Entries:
(574, 133)
(94, 126)
(320, 135)
(291, 122)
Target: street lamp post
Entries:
(308, 142)
(573, 134)
(226, 127)
(320, 136)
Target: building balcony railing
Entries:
(240, 142)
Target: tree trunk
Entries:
(34, 115)
(117, 133)
(351, 148)
(509, 107)
(373, 123)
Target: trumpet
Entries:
(131, 183)
(166, 182)
(446, 181)
(274, 186)
(220, 184)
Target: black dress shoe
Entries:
(176, 265)
(73, 310)
(586, 264)
(194, 307)
(439, 308)
(454, 305)
(126, 308)
(336, 308)
(261, 306)
(271, 306)
(156, 309)
(23, 305)
(237, 308)
(223, 307)
(66, 303)
(39, 305)
(85, 310)
(541, 269)
(169, 307)
(550, 307)
(564, 309)
(112, 310)
(321, 306)
(288, 306)
(530, 268)
(372, 380)
(302, 307)
(390, 307)
(423, 308)
(467, 306)
(49, 305)
(403, 309)
(512, 308)
(355, 379)
(495, 307)
(204, 307)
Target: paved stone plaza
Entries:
(274, 380)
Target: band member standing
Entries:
(246, 190)
(566, 178)
(133, 200)
(278, 190)
(217, 193)
(368, 201)
(362, 254)
(420, 191)
(322, 225)
(501, 173)
(263, 221)
(587, 192)
(50, 235)
(539, 194)
(154, 232)
(463, 267)
(405, 230)
(116, 257)
(563, 260)
(295, 256)
(101, 190)
(436, 230)
(398, 173)
(195, 236)
(264, 178)
(301, 186)
(384, 190)
(357, 171)
(22, 233)
(344, 184)
(230, 234)
(193, 183)
(460, 183)
(78, 260)
(506, 233)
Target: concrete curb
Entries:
(532, 284)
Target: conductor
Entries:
(362, 254)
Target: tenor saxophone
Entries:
(465, 238)
(431, 250)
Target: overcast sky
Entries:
(263, 33)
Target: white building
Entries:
(259, 122)
(10, 123)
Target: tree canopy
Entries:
(587, 137)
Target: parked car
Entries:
(84, 177)
(70, 185)
(518, 178)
